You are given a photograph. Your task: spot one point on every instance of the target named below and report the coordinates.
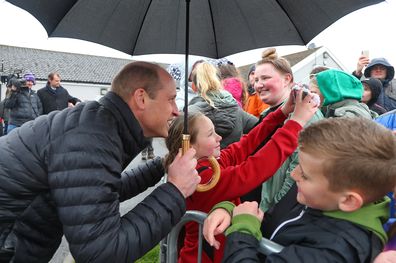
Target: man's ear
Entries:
(140, 98)
(350, 201)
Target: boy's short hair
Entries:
(360, 155)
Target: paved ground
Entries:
(159, 150)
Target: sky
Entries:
(371, 28)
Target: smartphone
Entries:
(365, 53)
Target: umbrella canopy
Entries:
(217, 27)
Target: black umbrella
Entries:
(218, 27)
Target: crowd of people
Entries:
(22, 103)
(310, 166)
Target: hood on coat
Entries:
(336, 85)
(375, 86)
(380, 61)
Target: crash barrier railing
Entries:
(169, 253)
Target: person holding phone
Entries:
(381, 69)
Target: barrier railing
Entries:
(169, 247)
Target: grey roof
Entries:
(292, 58)
(71, 67)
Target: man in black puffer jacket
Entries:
(62, 174)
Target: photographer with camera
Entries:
(24, 104)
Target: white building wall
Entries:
(322, 57)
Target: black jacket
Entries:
(62, 174)
(312, 238)
(55, 99)
(24, 106)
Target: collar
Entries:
(124, 114)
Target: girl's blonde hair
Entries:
(174, 140)
(207, 80)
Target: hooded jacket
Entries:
(230, 121)
(61, 174)
(310, 235)
(375, 86)
(341, 93)
(387, 99)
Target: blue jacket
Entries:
(388, 120)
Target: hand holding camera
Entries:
(305, 104)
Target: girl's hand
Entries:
(216, 223)
(304, 108)
(288, 107)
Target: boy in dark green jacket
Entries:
(346, 167)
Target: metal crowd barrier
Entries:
(169, 245)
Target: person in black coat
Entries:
(23, 103)
(54, 97)
(61, 174)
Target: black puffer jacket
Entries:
(24, 106)
(309, 237)
(61, 174)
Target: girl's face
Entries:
(272, 87)
(207, 142)
(366, 93)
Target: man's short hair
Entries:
(137, 75)
(359, 154)
(52, 75)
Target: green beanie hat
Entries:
(336, 85)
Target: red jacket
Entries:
(241, 172)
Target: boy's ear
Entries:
(350, 201)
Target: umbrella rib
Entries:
(214, 29)
(291, 21)
(141, 26)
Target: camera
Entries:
(315, 97)
(16, 81)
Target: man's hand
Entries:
(362, 62)
(250, 208)
(216, 223)
(182, 173)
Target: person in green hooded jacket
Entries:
(340, 94)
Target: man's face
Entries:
(55, 82)
(313, 186)
(161, 109)
(378, 72)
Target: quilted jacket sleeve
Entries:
(136, 180)
(85, 178)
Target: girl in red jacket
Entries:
(244, 165)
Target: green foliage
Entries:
(151, 257)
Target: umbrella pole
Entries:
(186, 136)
